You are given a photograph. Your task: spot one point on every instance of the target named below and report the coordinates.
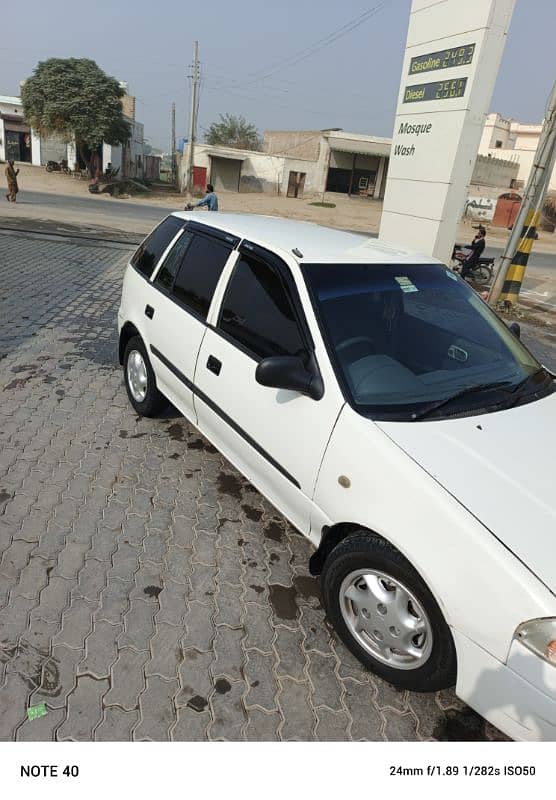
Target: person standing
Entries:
(210, 200)
(11, 178)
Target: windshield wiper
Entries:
(516, 393)
(481, 387)
(522, 388)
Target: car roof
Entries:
(316, 243)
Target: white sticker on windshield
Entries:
(406, 285)
(450, 274)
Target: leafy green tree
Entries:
(233, 131)
(75, 97)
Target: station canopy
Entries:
(367, 147)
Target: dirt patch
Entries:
(229, 484)
(152, 591)
(35, 667)
(274, 532)
(222, 686)
(282, 600)
(198, 703)
(201, 444)
(17, 383)
(461, 726)
(252, 513)
(307, 586)
(176, 432)
(24, 368)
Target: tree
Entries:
(233, 131)
(75, 98)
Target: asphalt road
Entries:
(89, 204)
(539, 286)
(539, 262)
(146, 213)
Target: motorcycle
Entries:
(480, 273)
(61, 166)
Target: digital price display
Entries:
(442, 59)
(438, 90)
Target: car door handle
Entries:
(149, 312)
(214, 365)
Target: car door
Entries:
(185, 282)
(275, 437)
(138, 293)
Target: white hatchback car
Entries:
(390, 415)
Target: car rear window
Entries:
(199, 273)
(149, 251)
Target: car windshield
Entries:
(404, 339)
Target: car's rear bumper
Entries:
(519, 697)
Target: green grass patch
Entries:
(323, 205)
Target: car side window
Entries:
(168, 271)
(149, 251)
(199, 272)
(257, 311)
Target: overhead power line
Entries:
(320, 44)
(283, 103)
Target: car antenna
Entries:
(297, 252)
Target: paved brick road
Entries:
(146, 590)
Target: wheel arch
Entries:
(341, 536)
(332, 535)
(128, 332)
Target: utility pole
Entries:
(195, 77)
(173, 144)
(511, 271)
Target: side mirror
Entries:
(515, 329)
(290, 372)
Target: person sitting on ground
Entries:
(210, 200)
(11, 178)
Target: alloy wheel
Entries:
(386, 619)
(137, 376)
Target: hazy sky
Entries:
(350, 84)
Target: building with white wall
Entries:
(20, 143)
(17, 141)
(309, 163)
(512, 141)
(296, 164)
(233, 170)
(494, 172)
(129, 157)
(350, 163)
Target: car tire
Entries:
(375, 599)
(140, 380)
